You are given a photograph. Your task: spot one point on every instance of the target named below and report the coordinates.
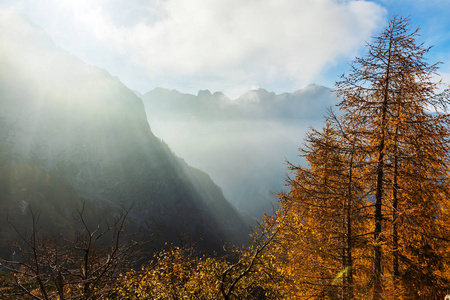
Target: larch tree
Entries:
(390, 101)
(320, 220)
(369, 214)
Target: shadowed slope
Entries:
(76, 122)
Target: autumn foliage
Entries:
(368, 216)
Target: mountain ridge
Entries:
(254, 104)
(309, 87)
(78, 123)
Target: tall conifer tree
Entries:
(369, 214)
(321, 218)
(390, 93)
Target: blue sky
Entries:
(230, 46)
(432, 16)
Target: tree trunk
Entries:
(395, 266)
(377, 288)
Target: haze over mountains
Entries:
(74, 128)
(71, 133)
(241, 143)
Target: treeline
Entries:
(366, 218)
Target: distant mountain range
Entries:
(301, 106)
(70, 132)
(241, 143)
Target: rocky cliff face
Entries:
(76, 122)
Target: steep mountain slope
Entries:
(241, 143)
(76, 122)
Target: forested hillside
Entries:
(70, 133)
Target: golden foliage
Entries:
(368, 216)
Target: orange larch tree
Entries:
(390, 100)
(369, 214)
(321, 232)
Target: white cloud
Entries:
(224, 44)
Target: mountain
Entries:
(242, 143)
(71, 126)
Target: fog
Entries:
(243, 144)
(82, 136)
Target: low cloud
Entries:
(223, 43)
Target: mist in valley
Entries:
(244, 143)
